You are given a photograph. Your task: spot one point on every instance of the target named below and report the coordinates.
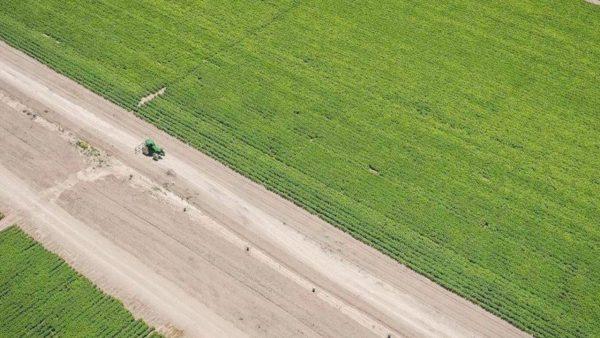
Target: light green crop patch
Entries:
(458, 137)
(40, 296)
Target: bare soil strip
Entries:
(151, 97)
(188, 244)
(10, 218)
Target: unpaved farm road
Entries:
(188, 244)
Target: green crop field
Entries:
(41, 296)
(461, 138)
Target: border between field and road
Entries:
(84, 117)
(8, 218)
(123, 137)
(93, 173)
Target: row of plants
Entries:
(40, 296)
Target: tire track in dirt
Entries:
(99, 252)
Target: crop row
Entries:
(40, 295)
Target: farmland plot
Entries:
(40, 295)
(460, 138)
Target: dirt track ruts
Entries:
(239, 260)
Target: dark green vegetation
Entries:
(459, 137)
(40, 296)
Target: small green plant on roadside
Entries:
(83, 145)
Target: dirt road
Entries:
(186, 243)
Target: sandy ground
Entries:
(187, 244)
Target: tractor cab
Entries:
(152, 149)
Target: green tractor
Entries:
(150, 148)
